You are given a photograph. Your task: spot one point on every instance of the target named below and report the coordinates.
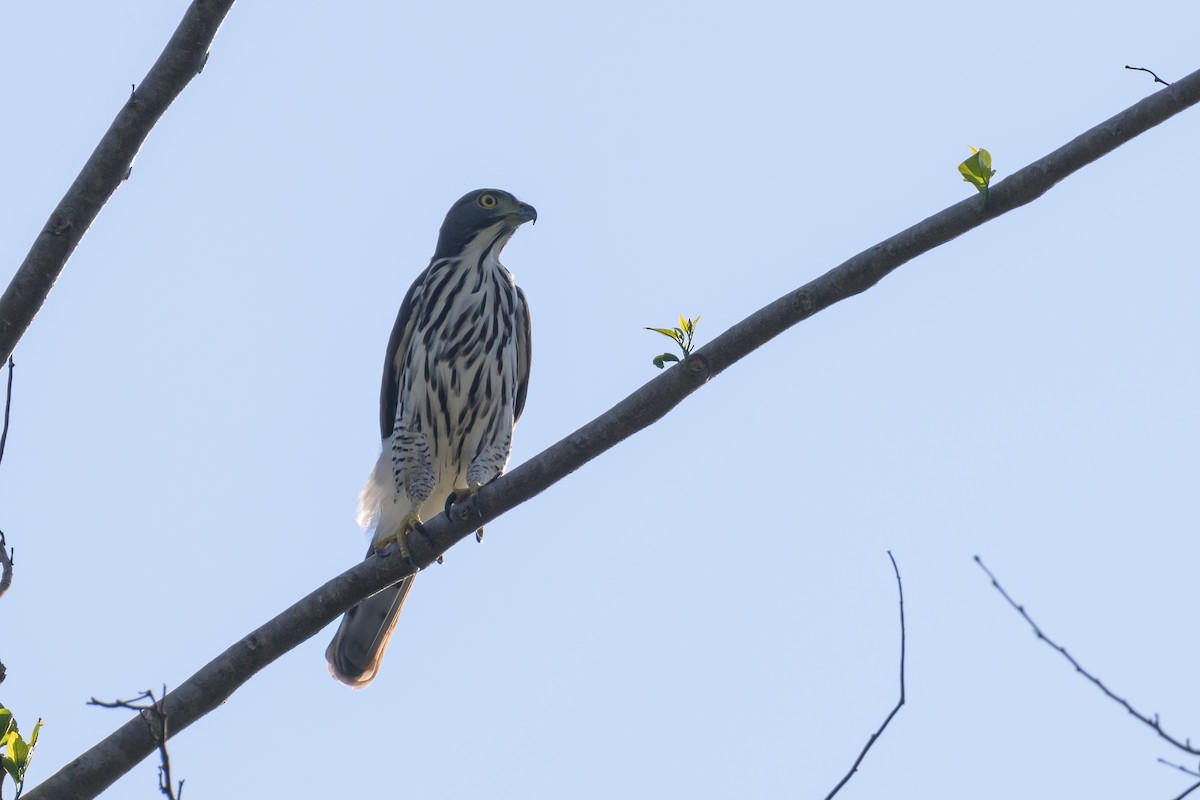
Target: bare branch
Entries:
(108, 165)
(1187, 791)
(1184, 745)
(1143, 69)
(94, 770)
(7, 408)
(6, 566)
(6, 555)
(156, 720)
(875, 736)
(1180, 767)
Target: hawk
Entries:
(454, 382)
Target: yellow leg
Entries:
(407, 525)
(458, 495)
(471, 488)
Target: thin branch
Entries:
(6, 555)
(96, 769)
(1187, 791)
(7, 408)
(156, 719)
(1180, 767)
(6, 566)
(1184, 745)
(875, 736)
(109, 164)
(1143, 69)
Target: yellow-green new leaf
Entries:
(977, 170)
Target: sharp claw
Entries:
(411, 522)
(479, 535)
(450, 501)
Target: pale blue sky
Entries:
(707, 611)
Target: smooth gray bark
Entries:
(93, 771)
(109, 164)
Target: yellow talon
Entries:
(458, 495)
(471, 488)
(400, 536)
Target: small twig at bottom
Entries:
(1187, 791)
(1184, 745)
(875, 736)
(156, 719)
(7, 407)
(1156, 80)
(6, 565)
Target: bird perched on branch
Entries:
(454, 383)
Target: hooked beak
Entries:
(524, 213)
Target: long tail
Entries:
(357, 648)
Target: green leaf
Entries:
(11, 767)
(18, 751)
(6, 721)
(660, 361)
(33, 736)
(667, 332)
(977, 170)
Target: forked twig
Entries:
(875, 736)
(156, 719)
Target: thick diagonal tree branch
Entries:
(92, 772)
(109, 164)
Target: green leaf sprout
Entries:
(682, 336)
(15, 752)
(977, 171)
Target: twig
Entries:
(1180, 767)
(899, 703)
(1187, 791)
(6, 566)
(95, 769)
(1185, 745)
(7, 406)
(1156, 80)
(6, 555)
(155, 715)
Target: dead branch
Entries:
(1143, 69)
(1184, 745)
(156, 720)
(875, 736)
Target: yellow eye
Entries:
(488, 200)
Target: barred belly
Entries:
(454, 418)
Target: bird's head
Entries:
(492, 212)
